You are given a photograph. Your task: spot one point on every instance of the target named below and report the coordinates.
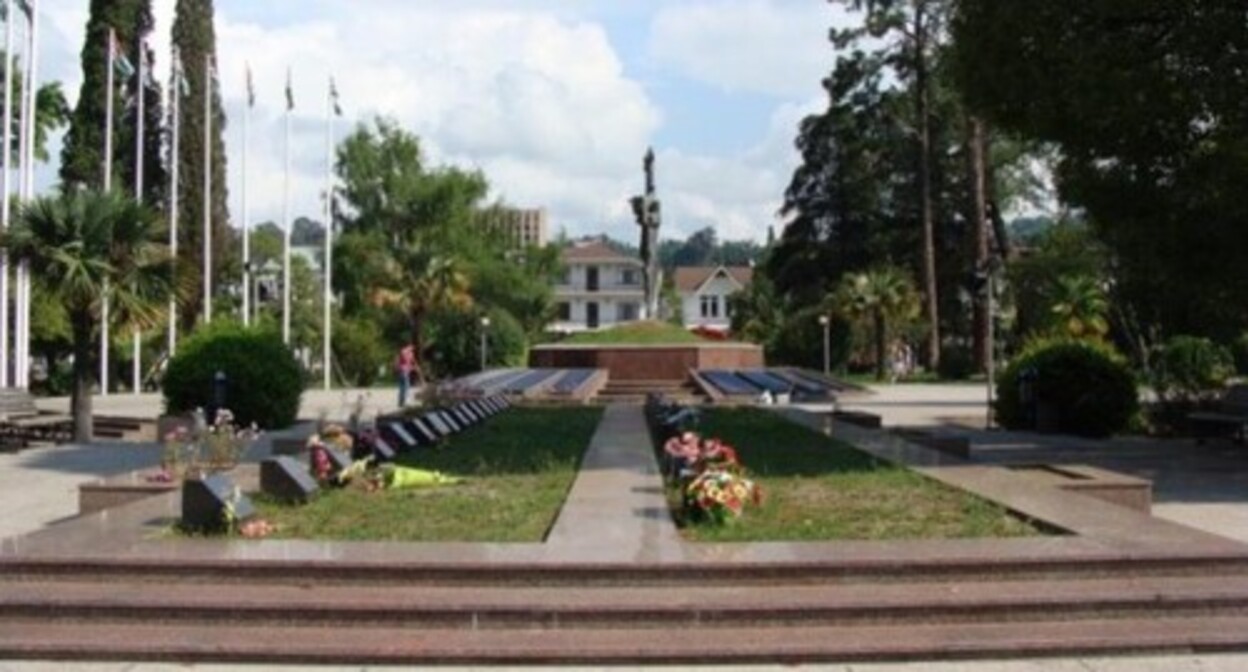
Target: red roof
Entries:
(595, 251)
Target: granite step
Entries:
(311, 605)
(390, 572)
(736, 645)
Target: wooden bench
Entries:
(22, 422)
(1230, 417)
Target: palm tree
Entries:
(884, 296)
(83, 247)
(419, 284)
(1080, 307)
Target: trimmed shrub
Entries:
(264, 380)
(1189, 370)
(1086, 386)
(360, 351)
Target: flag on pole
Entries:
(333, 95)
(123, 65)
(251, 89)
(290, 93)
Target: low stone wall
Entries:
(116, 491)
(648, 362)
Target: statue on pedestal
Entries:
(647, 211)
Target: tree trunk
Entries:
(881, 345)
(976, 146)
(932, 299)
(84, 422)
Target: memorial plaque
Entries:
(287, 480)
(449, 420)
(204, 503)
(338, 461)
(422, 432)
(462, 416)
(382, 452)
(482, 408)
(407, 441)
(435, 421)
(466, 411)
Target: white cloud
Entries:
(774, 47)
(535, 94)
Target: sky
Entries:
(555, 101)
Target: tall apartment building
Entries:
(525, 227)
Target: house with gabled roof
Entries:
(704, 292)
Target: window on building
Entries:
(565, 278)
(565, 311)
(630, 277)
(627, 312)
(710, 306)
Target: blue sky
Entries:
(555, 101)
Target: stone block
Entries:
(287, 479)
(205, 502)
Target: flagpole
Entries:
(23, 269)
(5, 190)
(246, 213)
(22, 139)
(136, 374)
(328, 275)
(175, 161)
(207, 188)
(286, 223)
(108, 186)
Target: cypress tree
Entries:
(196, 41)
(83, 151)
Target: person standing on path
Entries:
(405, 366)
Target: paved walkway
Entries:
(616, 509)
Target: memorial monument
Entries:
(647, 211)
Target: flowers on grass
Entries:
(713, 483)
(190, 452)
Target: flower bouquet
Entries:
(714, 485)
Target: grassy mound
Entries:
(637, 333)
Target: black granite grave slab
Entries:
(435, 421)
(204, 503)
(287, 479)
(421, 430)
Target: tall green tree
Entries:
(83, 151)
(87, 247)
(196, 42)
(1144, 102)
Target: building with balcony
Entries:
(600, 287)
(704, 292)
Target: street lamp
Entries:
(827, 359)
(485, 325)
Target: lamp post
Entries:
(827, 359)
(485, 326)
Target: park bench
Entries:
(22, 422)
(1230, 416)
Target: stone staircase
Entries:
(634, 391)
(313, 612)
(117, 428)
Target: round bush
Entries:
(360, 351)
(1190, 369)
(1086, 385)
(264, 380)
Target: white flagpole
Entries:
(5, 190)
(23, 269)
(287, 225)
(207, 188)
(328, 275)
(175, 161)
(108, 186)
(246, 213)
(136, 373)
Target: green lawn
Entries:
(817, 488)
(517, 469)
(636, 333)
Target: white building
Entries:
(704, 292)
(600, 288)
